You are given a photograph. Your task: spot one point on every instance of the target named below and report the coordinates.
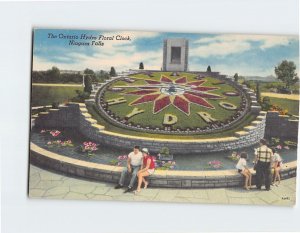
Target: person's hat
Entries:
(145, 150)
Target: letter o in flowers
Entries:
(227, 106)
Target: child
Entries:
(277, 163)
(244, 170)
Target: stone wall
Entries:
(281, 125)
(166, 179)
(76, 115)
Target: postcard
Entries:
(164, 117)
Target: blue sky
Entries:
(248, 55)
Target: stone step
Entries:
(53, 110)
(90, 102)
(261, 117)
(97, 126)
(86, 115)
(255, 123)
(91, 120)
(83, 109)
(249, 128)
(92, 96)
(255, 108)
(43, 113)
(241, 133)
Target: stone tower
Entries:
(175, 54)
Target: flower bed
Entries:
(215, 164)
(89, 148)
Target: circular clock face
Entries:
(163, 103)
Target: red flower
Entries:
(180, 93)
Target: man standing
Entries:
(134, 163)
(263, 156)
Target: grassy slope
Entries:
(291, 105)
(156, 120)
(45, 95)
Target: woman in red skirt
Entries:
(148, 168)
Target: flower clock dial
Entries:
(172, 104)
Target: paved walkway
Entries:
(47, 184)
(281, 96)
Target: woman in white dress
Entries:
(277, 163)
(242, 168)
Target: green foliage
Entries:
(258, 92)
(112, 72)
(285, 72)
(164, 151)
(46, 95)
(266, 103)
(81, 96)
(208, 69)
(113, 162)
(55, 76)
(88, 84)
(141, 66)
(88, 71)
(101, 76)
(236, 77)
(55, 105)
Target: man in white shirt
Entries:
(134, 163)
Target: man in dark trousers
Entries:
(134, 163)
(263, 156)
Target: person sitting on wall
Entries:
(134, 163)
(242, 168)
(277, 164)
(148, 168)
(263, 156)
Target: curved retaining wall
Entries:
(76, 115)
(169, 179)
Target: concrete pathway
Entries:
(45, 184)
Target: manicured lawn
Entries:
(46, 95)
(155, 120)
(291, 105)
(108, 126)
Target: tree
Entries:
(285, 72)
(53, 75)
(266, 103)
(208, 69)
(141, 66)
(88, 71)
(112, 72)
(236, 77)
(258, 92)
(91, 74)
(88, 84)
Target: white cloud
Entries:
(223, 45)
(122, 54)
(220, 49)
(121, 61)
